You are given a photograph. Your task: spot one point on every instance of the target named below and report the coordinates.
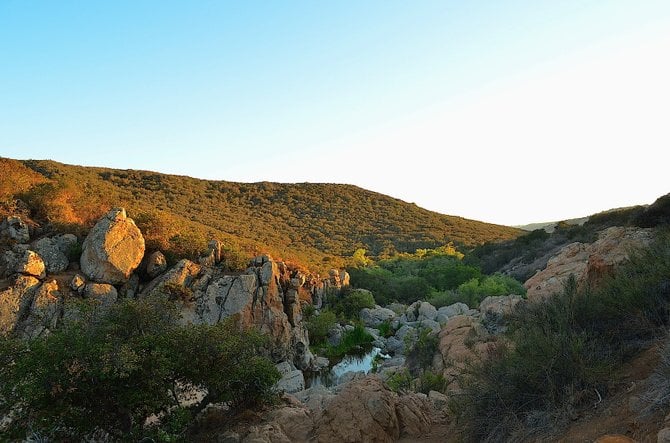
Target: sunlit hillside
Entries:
(316, 224)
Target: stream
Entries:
(350, 363)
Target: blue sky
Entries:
(505, 111)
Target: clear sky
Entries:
(504, 111)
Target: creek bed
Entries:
(350, 363)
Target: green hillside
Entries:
(312, 223)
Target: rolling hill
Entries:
(315, 224)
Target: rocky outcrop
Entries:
(102, 293)
(588, 262)
(15, 301)
(264, 297)
(54, 251)
(42, 313)
(156, 264)
(366, 410)
(14, 229)
(376, 316)
(461, 340)
(24, 261)
(113, 249)
(292, 379)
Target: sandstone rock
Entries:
(26, 262)
(256, 298)
(315, 398)
(296, 422)
(461, 340)
(184, 273)
(499, 306)
(363, 411)
(344, 278)
(216, 249)
(439, 400)
(130, 288)
(105, 294)
(15, 229)
(293, 381)
(335, 334)
(430, 324)
(413, 411)
(376, 316)
(587, 262)
(113, 249)
(15, 301)
(43, 313)
(453, 310)
(54, 251)
(156, 264)
(77, 283)
(427, 311)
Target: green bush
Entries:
(349, 305)
(563, 352)
(112, 372)
(420, 356)
(400, 381)
(319, 325)
(429, 381)
(385, 329)
(474, 291)
(356, 340)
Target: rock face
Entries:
(156, 264)
(587, 262)
(15, 229)
(15, 301)
(43, 312)
(263, 297)
(366, 410)
(24, 262)
(376, 316)
(462, 340)
(113, 249)
(292, 379)
(54, 251)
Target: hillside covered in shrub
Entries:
(312, 223)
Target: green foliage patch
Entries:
(111, 372)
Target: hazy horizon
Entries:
(510, 113)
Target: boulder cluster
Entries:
(42, 278)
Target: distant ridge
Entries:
(315, 224)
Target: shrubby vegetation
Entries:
(562, 353)
(111, 372)
(318, 225)
(439, 276)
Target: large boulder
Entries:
(462, 340)
(15, 301)
(367, 410)
(588, 262)
(292, 379)
(376, 316)
(43, 312)
(102, 293)
(24, 261)
(113, 249)
(54, 251)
